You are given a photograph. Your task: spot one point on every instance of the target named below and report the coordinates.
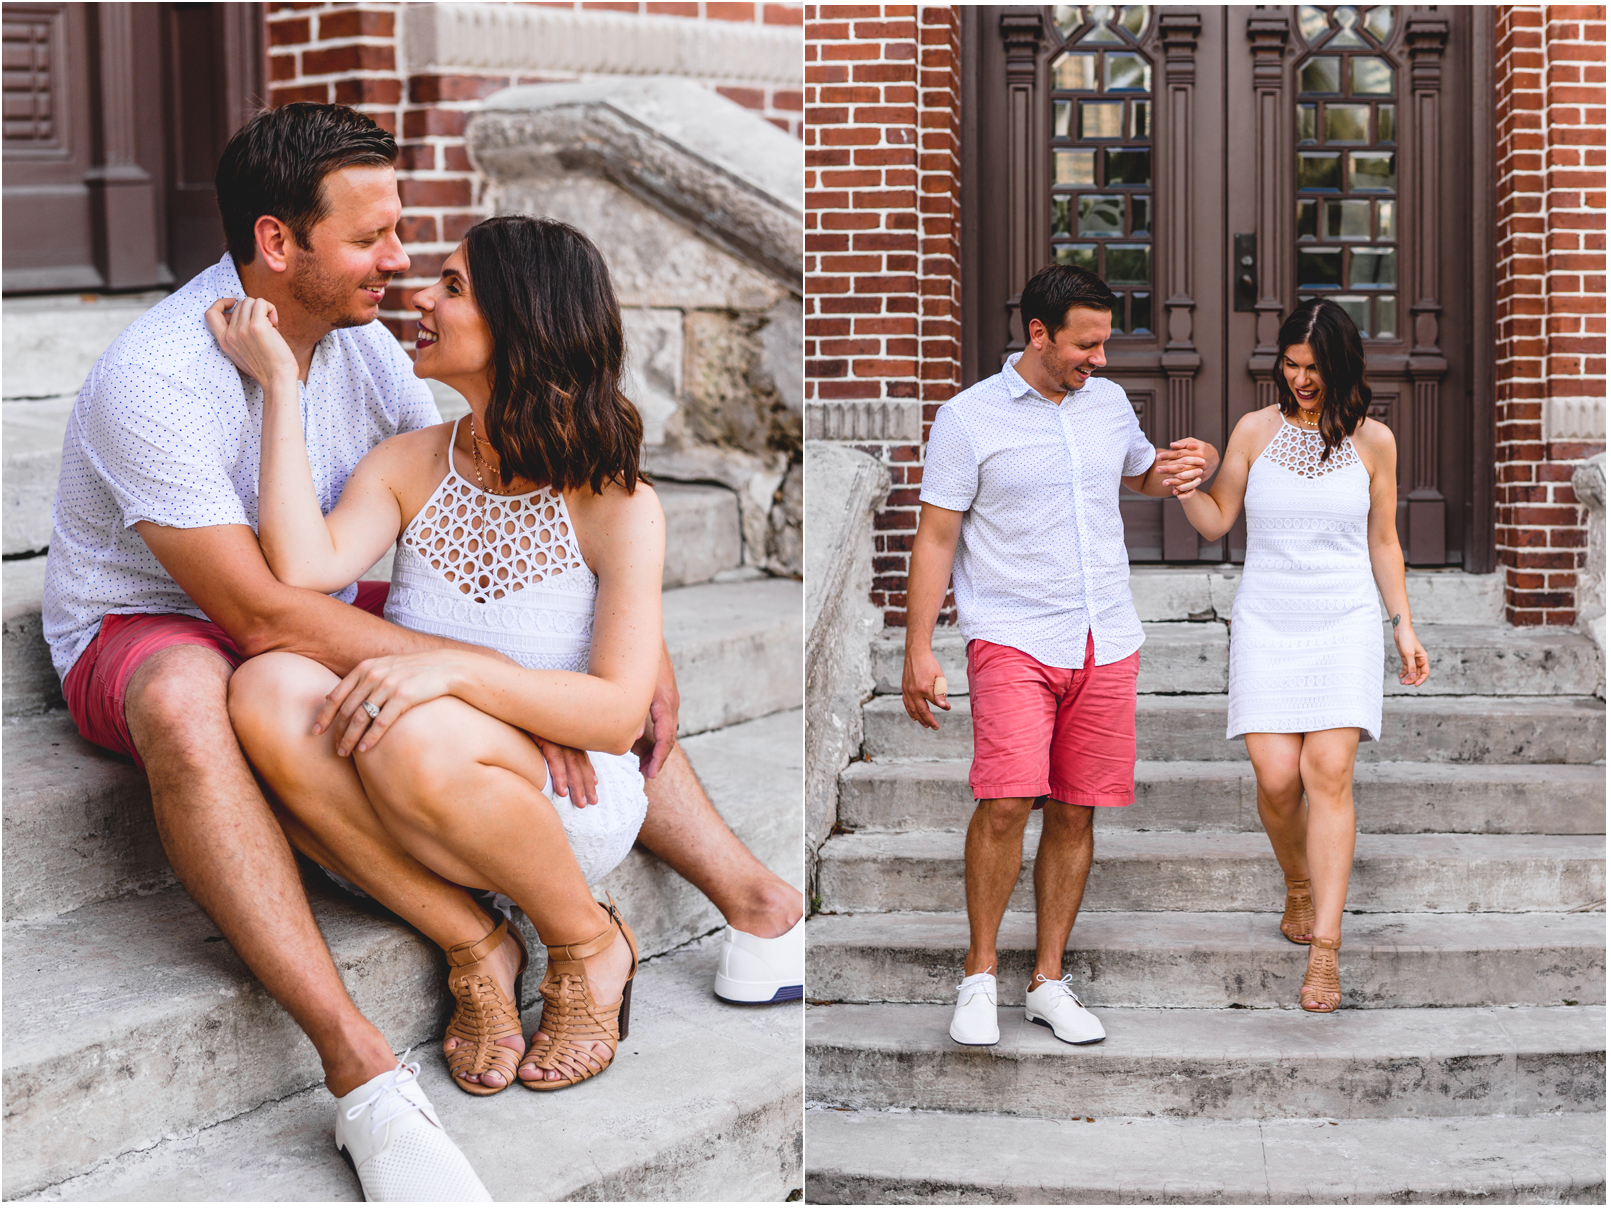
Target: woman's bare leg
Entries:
(1276, 767)
(1327, 769)
(326, 814)
(459, 791)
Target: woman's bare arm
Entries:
(1212, 511)
(1373, 441)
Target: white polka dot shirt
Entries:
(1041, 561)
(167, 430)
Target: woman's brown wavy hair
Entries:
(1340, 359)
(557, 414)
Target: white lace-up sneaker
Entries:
(389, 1133)
(762, 970)
(974, 1021)
(1052, 1003)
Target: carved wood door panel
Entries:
(1218, 165)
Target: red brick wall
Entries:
(883, 295)
(348, 53)
(1550, 69)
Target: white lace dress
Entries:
(1306, 628)
(505, 572)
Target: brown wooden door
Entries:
(1162, 148)
(115, 115)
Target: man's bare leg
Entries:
(993, 857)
(1062, 864)
(228, 851)
(684, 830)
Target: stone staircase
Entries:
(1475, 937)
(143, 1061)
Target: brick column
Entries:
(1550, 362)
(883, 295)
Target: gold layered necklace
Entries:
(1304, 418)
(475, 454)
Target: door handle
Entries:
(1245, 272)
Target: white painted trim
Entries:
(515, 38)
(1574, 418)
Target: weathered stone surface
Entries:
(1231, 872)
(31, 464)
(28, 681)
(653, 1129)
(736, 650)
(1461, 730)
(1220, 796)
(893, 1157)
(1218, 959)
(1588, 484)
(48, 344)
(702, 532)
(1223, 1064)
(1437, 596)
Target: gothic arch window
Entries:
(1347, 132)
(1103, 211)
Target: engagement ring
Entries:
(371, 709)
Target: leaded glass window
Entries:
(1102, 153)
(1347, 164)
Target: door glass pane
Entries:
(1319, 170)
(1140, 214)
(1347, 123)
(1358, 308)
(1372, 77)
(1321, 74)
(1347, 17)
(1348, 219)
(1128, 166)
(1306, 217)
(1074, 72)
(1129, 264)
(1312, 22)
(1060, 217)
(1369, 268)
(1101, 214)
(1140, 120)
(1387, 316)
(1319, 267)
(1379, 21)
(1386, 227)
(1062, 112)
(1141, 311)
(1068, 18)
(1074, 167)
(1102, 14)
(1372, 170)
(1081, 255)
(1386, 116)
(1134, 18)
(1306, 123)
(1128, 73)
(1101, 119)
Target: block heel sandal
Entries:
(483, 1015)
(570, 1017)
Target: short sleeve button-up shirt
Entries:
(1041, 561)
(167, 430)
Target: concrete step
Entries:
(703, 1104)
(1461, 730)
(102, 999)
(31, 433)
(890, 1157)
(1198, 593)
(1220, 796)
(1194, 657)
(702, 532)
(735, 645)
(1217, 959)
(1231, 872)
(1218, 1064)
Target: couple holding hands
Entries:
(1020, 512)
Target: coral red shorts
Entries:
(1066, 732)
(95, 684)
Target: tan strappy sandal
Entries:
(570, 1017)
(483, 1015)
(1298, 920)
(1321, 977)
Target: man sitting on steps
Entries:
(156, 590)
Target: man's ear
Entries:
(274, 240)
(1036, 332)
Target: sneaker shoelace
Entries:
(1065, 986)
(391, 1087)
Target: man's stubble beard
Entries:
(322, 295)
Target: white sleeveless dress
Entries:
(505, 572)
(1306, 627)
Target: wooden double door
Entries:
(115, 115)
(1218, 165)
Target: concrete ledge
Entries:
(1457, 730)
(1398, 797)
(703, 538)
(1220, 959)
(1221, 1064)
(1231, 872)
(894, 1157)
